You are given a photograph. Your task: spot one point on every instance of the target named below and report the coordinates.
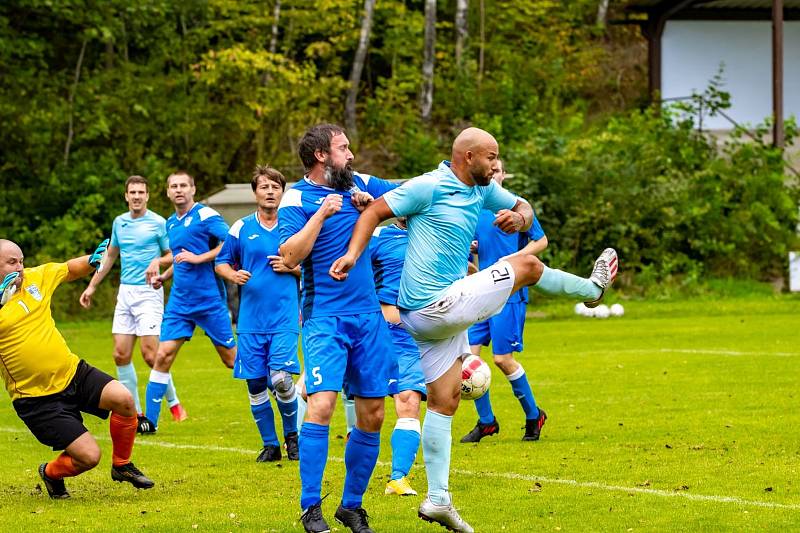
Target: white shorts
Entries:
(139, 311)
(440, 329)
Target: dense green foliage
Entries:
(94, 91)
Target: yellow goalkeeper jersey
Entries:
(36, 360)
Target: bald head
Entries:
(8, 246)
(10, 260)
(474, 157)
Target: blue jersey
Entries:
(387, 250)
(494, 243)
(268, 302)
(322, 295)
(140, 240)
(195, 287)
(442, 215)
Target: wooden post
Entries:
(777, 73)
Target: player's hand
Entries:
(157, 282)
(340, 268)
(96, 259)
(151, 272)
(331, 205)
(361, 200)
(86, 297)
(473, 247)
(277, 264)
(187, 257)
(240, 277)
(8, 287)
(509, 221)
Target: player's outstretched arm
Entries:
(99, 275)
(377, 212)
(532, 248)
(298, 246)
(81, 267)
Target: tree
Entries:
(461, 29)
(429, 58)
(358, 67)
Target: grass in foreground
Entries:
(678, 416)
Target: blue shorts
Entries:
(215, 322)
(410, 375)
(258, 353)
(351, 349)
(504, 330)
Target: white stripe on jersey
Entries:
(207, 212)
(292, 198)
(236, 228)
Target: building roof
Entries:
(716, 9)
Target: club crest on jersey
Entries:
(33, 290)
(187, 221)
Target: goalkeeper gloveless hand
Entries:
(96, 259)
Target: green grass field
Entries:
(679, 416)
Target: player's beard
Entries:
(340, 179)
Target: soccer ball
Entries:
(602, 311)
(476, 376)
(582, 310)
(617, 310)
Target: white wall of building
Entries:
(693, 50)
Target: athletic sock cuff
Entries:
(314, 430)
(408, 424)
(159, 377)
(516, 374)
(368, 438)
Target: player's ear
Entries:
(320, 155)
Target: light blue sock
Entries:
(349, 413)
(154, 395)
(126, 374)
(172, 395)
(522, 390)
(360, 457)
(436, 443)
(262, 411)
(313, 444)
(484, 407)
(301, 411)
(559, 283)
(405, 443)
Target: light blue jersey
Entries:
(140, 240)
(442, 215)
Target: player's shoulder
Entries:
(152, 215)
(205, 212)
(293, 197)
(378, 231)
(243, 222)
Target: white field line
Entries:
(500, 475)
(695, 352)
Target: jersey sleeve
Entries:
(291, 215)
(114, 242)
(229, 255)
(498, 198)
(53, 275)
(163, 238)
(413, 196)
(378, 187)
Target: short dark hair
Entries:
(136, 179)
(316, 138)
(181, 173)
(266, 171)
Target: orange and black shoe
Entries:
(55, 487)
(128, 472)
(533, 428)
(482, 430)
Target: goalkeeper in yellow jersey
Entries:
(49, 385)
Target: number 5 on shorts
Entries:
(317, 375)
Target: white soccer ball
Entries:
(602, 311)
(617, 310)
(582, 310)
(476, 376)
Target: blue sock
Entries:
(262, 411)
(126, 374)
(301, 411)
(484, 408)
(522, 390)
(349, 412)
(405, 443)
(436, 443)
(288, 412)
(313, 444)
(360, 457)
(154, 395)
(172, 394)
(560, 283)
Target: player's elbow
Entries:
(289, 260)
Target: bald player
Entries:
(438, 303)
(49, 385)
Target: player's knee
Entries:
(506, 363)
(124, 405)
(121, 356)
(407, 404)
(257, 385)
(283, 385)
(87, 458)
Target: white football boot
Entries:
(444, 515)
(603, 274)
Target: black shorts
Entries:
(55, 420)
